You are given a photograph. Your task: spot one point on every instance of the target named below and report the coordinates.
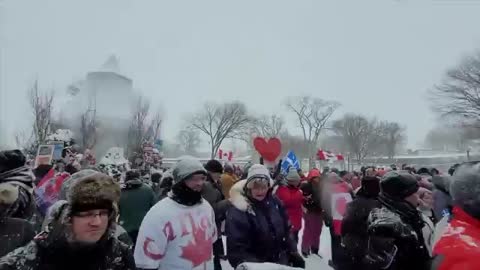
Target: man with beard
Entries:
(179, 231)
(398, 232)
(79, 232)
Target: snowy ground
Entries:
(312, 262)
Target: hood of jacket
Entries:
(237, 196)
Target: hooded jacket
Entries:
(51, 250)
(135, 201)
(23, 178)
(398, 237)
(14, 233)
(257, 231)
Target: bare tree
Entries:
(445, 138)
(359, 133)
(154, 127)
(269, 126)
(312, 115)
(88, 128)
(263, 126)
(189, 140)
(459, 93)
(392, 135)
(138, 126)
(24, 141)
(42, 108)
(220, 121)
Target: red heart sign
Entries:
(270, 149)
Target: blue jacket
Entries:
(257, 231)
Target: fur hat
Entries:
(8, 194)
(94, 191)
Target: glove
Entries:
(296, 260)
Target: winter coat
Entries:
(355, 227)
(399, 237)
(257, 231)
(311, 193)
(292, 199)
(135, 201)
(212, 193)
(442, 201)
(227, 180)
(459, 247)
(51, 250)
(23, 178)
(14, 233)
(40, 254)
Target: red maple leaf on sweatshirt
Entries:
(199, 249)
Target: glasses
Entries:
(91, 215)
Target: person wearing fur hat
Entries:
(292, 198)
(257, 226)
(354, 224)
(135, 201)
(79, 232)
(14, 232)
(179, 231)
(459, 244)
(399, 235)
(120, 233)
(312, 214)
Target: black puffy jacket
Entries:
(396, 240)
(257, 231)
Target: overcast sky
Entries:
(376, 57)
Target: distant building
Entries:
(109, 95)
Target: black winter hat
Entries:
(214, 166)
(11, 159)
(398, 184)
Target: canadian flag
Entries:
(228, 156)
(327, 155)
(340, 198)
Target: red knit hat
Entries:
(313, 173)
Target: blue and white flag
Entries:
(290, 160)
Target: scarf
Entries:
(185, 195)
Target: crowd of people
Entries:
(389, 218)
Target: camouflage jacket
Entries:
(118, 257)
